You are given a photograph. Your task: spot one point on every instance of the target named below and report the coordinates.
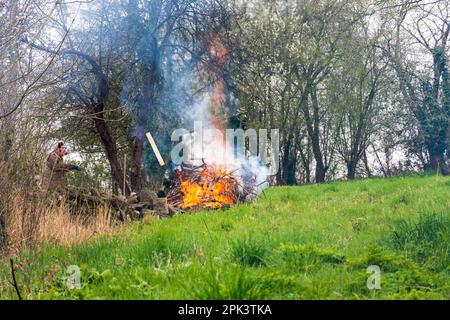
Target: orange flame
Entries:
(218, 51)
(215, 188)
(218, 55)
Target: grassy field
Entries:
(306, 242)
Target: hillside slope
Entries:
(306, 242)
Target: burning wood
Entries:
(207, 186)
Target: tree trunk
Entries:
(307, 174)
(111, 151)
(151, 80)
(320, 172)
(290, 174)
(136, 165)
(313, 131)
(437, 164)
(288, 166)
(306, 166)
(351, 170)
(2, 230)
(366, 164)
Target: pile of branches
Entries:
(125, 208)
(210, 187)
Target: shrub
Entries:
(387, 260)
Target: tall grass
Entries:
(249, 251)
(231, 284)
(33, 220)
(430, 230)
(426, 237)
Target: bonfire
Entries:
(214, 183)
(208, 186)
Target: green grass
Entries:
(306, 242)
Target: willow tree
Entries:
(418, 48)
(353, 90)
(123, 56)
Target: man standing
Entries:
(56, 168)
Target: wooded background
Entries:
(357, 87)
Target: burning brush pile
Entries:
(208, 186)
(211, 174)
